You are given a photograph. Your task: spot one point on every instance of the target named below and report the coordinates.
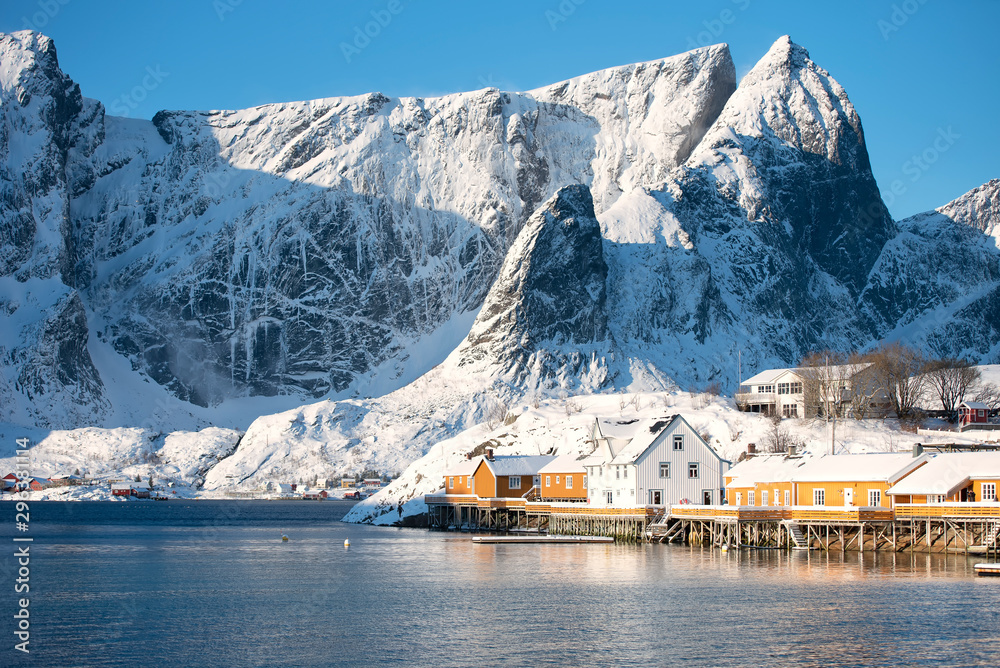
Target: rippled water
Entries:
(211, 583)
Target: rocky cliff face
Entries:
(307, 248)
(545, 318)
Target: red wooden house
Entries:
(973, 412)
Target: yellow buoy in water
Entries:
(347, 542)
(284, 538)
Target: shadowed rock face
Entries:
(548, 305)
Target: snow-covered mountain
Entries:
(420, 264)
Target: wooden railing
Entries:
(951, 510)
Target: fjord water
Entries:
(211, 583)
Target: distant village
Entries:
(347, 487)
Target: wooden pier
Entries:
(963, 528)
(541, 540)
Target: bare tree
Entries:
(778, 439)
(900, 370)
(864, 385)
(989, 394)
(825, 378)
(496, 413)
(950, 380)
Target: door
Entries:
(706, 497)
(655, 497)
(848, 496)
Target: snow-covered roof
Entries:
(977, 405)
(947, 472)
(766, 376)
(120, 485)
(618, 427)
(645, 434)
(764, 469)
(564, 464)
(465, 467)
(518, 464)
(881, 466)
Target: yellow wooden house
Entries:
(861, 480)
(952, 477)
(563, 479)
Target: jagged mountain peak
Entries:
(549, 299)
(978, 208)
(789, 99)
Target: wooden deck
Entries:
(541, 540)
(987, 569)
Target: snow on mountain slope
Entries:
(937, 283)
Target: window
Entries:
(790, 410)
(664, 469)
(610, 497)
(751, 500)
(626, 472)
(935, 498)
(618, 473)
(548, 481)
(763, 497)
(765, 389)
(874, 497)
(693, 470)
(788, 497)
(789, 388)
(982, 413)
(451, 483)
(569, 482)
(585, 482)
(679, 442)
(557, 480)
(514, 482)
(819, 497)
(989, 491)
(656, 497)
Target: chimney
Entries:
(917, 450)
(468, 455)
(792, 450)
(489, 454)
(751, 448)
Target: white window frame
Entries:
(988, 491)
(751, 498)
(739, 498)
(694, 470)
(874, 497)
(585, 482)
(665, 468)
(557, 481)
(788, 497)
(569, 481)
(548, 481)
(514, 482)
(678, 442)
(819, 496)
(764, 496)
(652, 492)
(451, 482)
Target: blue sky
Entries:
(923, 74)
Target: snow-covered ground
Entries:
(561, 426)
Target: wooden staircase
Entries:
(798, 538)
(991, 534)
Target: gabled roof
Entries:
(465, 467)
(764, 469)
(948, 472)
(976, 405)
(649, 433)
(882, 467)
(620, 428)
(766, 376)
(564, 464)
(517, 464)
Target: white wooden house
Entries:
(783, 391)
(652, 462)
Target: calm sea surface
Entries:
(211, 584)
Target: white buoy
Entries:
(347, 542)
(725, 548)
(284, 538)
